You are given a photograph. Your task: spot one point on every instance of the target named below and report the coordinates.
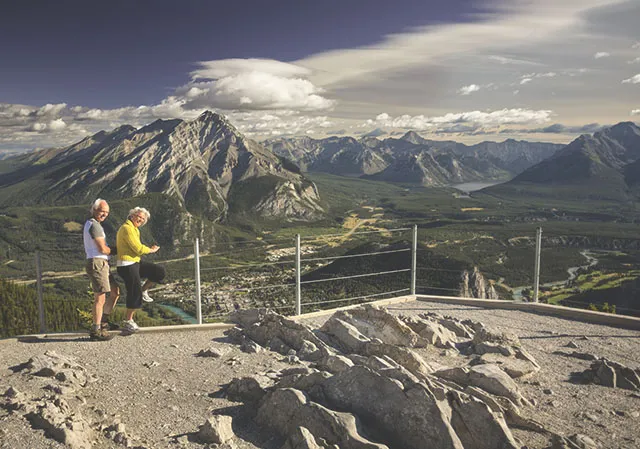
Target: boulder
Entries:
(63, 368)
(216, 429)
(471, 417)
(301, 438)
(375, 322)
(432, 332)
(347, 336)
(488, 377)
(284, 410)
(57, 421)
(513, 366)
(248, 389)
(402, 356)
(612, 374)
(407, 417)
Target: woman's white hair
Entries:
(96, 204)
(140, 211)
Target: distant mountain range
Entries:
(201, 163)
(413, 159)
(604, 165)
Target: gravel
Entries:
(156, 385)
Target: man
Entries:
(97, 253)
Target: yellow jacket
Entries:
(130, 248)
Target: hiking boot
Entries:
(130, 326)
(146, 297)
(109, 326)
(100, 335)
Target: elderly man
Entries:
(97, 253)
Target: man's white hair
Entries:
(96, 204)
(141, 211)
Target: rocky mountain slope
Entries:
(603, 165)
(201, 163)
(412, 158)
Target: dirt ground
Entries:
(157, 387)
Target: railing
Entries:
(306, 273)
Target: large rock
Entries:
(472, 417)
(402, 356)
(216, 429)
(347, 336)
(432, 332)
(248, 389)
(488, 377)
(63, 368)
(411, 418)
(513, 366)
(613, 374)
(58, 422)
(301, 438)
(286, 409)
(375, 322)
(288, 332)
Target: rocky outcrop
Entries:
(474, 285)
(365, 385)
(613, 374)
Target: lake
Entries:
(473, 186)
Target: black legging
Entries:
(132, 274)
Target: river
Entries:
(181, 313)
(572, 272)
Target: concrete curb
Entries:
(589, 316)
(207, 326)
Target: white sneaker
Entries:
(130, 326)
(146, 297)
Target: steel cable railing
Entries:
(272, 272)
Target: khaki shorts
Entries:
(98, 271)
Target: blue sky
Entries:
(464, 70)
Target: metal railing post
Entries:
(196, 257)
(298, 289)
(414, 250)
(536, 274)
(43, 326)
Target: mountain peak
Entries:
(414, 137)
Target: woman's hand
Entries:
(154, 249)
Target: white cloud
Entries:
(229, 67)
(57, 125)
(634, 61)
(277, 123)
(635, 112)
(513, 61)
(38, 127)
(633, 80)
(50, 110)
(466, 90)
(636, 45)
(516, 92)
(601, 54)
(503, 26)
(471, 120)
(525, 80)
(252, 84)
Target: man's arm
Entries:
(102, 245)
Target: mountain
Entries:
(412, 158)
(201, 163)
(603, 165)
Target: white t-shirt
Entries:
(93, 229)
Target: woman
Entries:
(131, 269)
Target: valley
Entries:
(474, 236)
